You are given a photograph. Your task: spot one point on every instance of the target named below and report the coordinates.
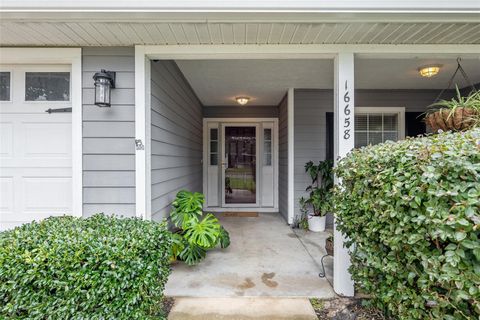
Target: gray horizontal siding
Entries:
(309, 134)
(412, 100)
(241, 112)
(176, 133)
(283, 158)
(108, 135)
(310, 122)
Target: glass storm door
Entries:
(240, 165)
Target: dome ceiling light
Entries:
(242, 100)
(429, 71)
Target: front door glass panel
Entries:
(240, 165)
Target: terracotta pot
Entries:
(460, 120)
(329, 246)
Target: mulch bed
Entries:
(345, 309)
(167, 304)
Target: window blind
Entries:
(374, 128)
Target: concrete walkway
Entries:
(265, 259)
(242, 309)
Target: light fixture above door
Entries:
(242, 100)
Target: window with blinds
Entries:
(373, 128)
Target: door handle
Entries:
(58, 110)
(225, 163)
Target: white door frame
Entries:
(66, 56)
(254, 122)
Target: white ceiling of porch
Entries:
(218, 82)
(81, 33)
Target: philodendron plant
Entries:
(320, 188)
(195, 231)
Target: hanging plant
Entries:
(458, 114)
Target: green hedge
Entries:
(412, 208)
(72, 268)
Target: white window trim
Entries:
(68, 56)
(10, 71)
(400, 111)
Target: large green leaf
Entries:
(224, 238)
(186, 206)
(192, 254)
(178, 245)
(203, 233)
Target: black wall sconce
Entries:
(104, 82)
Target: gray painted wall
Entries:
(108, 135)
(241, 112)
(177, 137)
(309, 134)
(283, 158)
(412, 100)
(310, 123)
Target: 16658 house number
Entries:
(346, 111)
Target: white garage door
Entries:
(35, 146)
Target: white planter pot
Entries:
(316, 223)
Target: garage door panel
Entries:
(6, 225)
(6, 195)
(47, 194)
(47, 140)
(6, 139)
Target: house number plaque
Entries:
(139, 144)
(346, 112)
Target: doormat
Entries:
(240, 214)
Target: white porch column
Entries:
(343, 143)
(291, 155)
(142, 135)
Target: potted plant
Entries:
(329, 245)
(301, 221)
(459, 113)
(317, 205)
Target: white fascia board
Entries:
(300, 51)
(236, 16)
(251, 5)
(241, 11)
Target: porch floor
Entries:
(265, 258)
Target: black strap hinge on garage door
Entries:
(58, 110)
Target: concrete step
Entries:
(242, 308)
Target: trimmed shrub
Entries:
(411, 211)
(72, 268)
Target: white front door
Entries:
(35, 146)
(241, 164)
